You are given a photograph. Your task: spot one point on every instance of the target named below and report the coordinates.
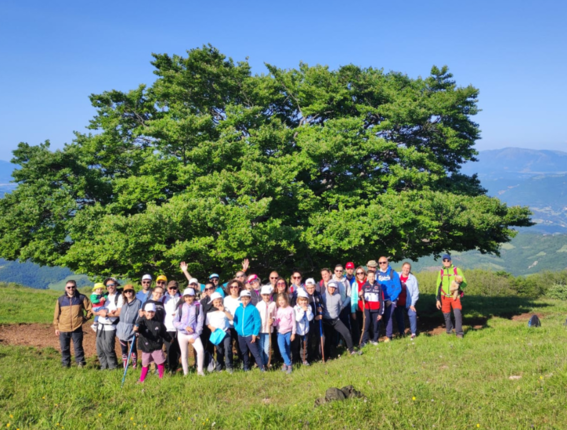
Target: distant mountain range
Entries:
(527, 177)
(6, 169)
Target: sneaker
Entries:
(229, 371)
(81, 365)
(306, 363)
(201, 373)
(387, 340)
(413, 336)
(284, 368)
(288, 371)
(374, 343)
(460, 336)
(94, 327)
(362, 345)
(356, 353)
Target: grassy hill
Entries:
(502, 375)
(526, 254)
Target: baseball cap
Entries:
(193, 281)
(350, 265)
(446, 256)
(253, 278)
(188, 292)
(161, 278)
(245, 293)
(215, 296)
(266, 290)
(147, 277)
(150, 307)
(303, 293)
(214, 275)
(333, 284)
(310, 281)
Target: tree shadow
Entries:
(477, 310)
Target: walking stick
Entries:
(128, 362)
(363, 319)
(270, 348)
(322, 337)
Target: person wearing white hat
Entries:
(331, 321)
(146, 292)
(189, 324)
(151, 336)
(247, 323)
(267, 309)
(218, 319)
(303, 315)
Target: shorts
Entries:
(155, 356)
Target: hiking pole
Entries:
(128, 361)
(322, 337)
(363, 319)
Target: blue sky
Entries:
(54, 54)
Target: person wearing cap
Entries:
(231, 302)
(391, 287)
(218, 319)
(146, 292)
(247, 323)
(303, 316)
(349, 275)
(151, 336)
(107, 323)
(128, 315)
(267, 309)
(372, 266)
(331, 321)
(189, 321)
(98, 300)
(445, 299)
(170, 300)
(71, 311)
(407, 300)
(161, 281)
(315, 301)
(253, 285)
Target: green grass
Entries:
(433, 382)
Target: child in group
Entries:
(267, 310)
(373, 300)
(303, 315)
(152, 334)
(98, 300)
(247, 323)
(218, 318)
(285, 320)
(188, 321)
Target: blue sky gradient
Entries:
(54, 54)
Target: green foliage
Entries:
(557, 291)
(425, 379)
(294, 168)
(25, 305)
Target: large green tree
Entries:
(293, 168)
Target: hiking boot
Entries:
(288, 371)
(81, 365)
(374, 343)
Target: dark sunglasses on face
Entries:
(111, 285)
(338, 271)
(446, 260)
(273, 277)
(160, 282)
(382, 262)
(360, 273)
(173, 288)
(146, 282)
(128, 292)
(296, 277)
(210, 288)
(71, 288)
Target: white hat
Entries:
(188, 292)
(215, 296)
(147, 278)
(310, 281)
(193, 281)
(245, 293)
(302, 293)
(150, 307)
(266, 289)
(332, 284)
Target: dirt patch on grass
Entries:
(43, 336)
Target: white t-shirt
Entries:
(218, 320)
(170, 305)
(231, 304)
(112, 303)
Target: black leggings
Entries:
(335, 326)
(125, 347)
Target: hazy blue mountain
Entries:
(6, 169)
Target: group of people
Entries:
(300, 321)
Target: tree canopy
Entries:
(292, 168)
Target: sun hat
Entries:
(215, 296)
(99, 285)
(372, 263)
(265, 290)
(310, 281)
(128, 287)
(161, 278)
(188, 292)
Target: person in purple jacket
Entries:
(188, 322)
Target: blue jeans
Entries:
(264, 339)
(400, 313)
(284, 342)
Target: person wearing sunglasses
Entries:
(146, 292)
(345, 293)
(296, 283)
(128, 314)
(215, 278)
(206, 307)
(156, 299)
(445, 299)
(231, 302)
(356, 304)
(107, 323)
(407, 300)
(71, 311)
(272, 279)
(253, 285)
(170, 301)
(391, 287)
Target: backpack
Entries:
(534, 321)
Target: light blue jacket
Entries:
(413, 290)
(247, 321)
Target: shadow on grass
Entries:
(477, 310)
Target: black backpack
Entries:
(534, 321)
